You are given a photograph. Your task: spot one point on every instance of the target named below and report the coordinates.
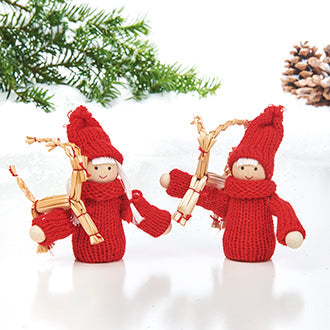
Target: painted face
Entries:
(248, 172)
(102, 173)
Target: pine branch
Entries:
(37, 95)
(54, 41)
(14, 4)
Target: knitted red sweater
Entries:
(107, 204)
(247, 207)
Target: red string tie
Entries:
(194, 190)
(80, 215)
(35, 206)
(187, 217)
(203, 151)
(12, 172)
(85, 169)
(82, 169)
(97, 235)
(181, 215)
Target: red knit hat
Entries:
(261, 139)
(89, 136)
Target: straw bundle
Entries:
(22, 184)
(206, 141)
(73, 200)
(188, 202)
(48, 204)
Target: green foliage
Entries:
(54, 41)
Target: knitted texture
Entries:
(247, 207)
(103, 203)
(55, 224)
(249, 234)
(179, 184)
(261, 139)
(282, 209)
(107, 204)
(89, 136)
(155, 221)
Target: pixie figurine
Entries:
(106, 195)
(249, 200)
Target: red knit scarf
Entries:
(245, 189)
(102, 191)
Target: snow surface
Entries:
(181, 281)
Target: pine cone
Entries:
(307, 76)
(327, 54)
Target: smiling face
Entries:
(102, 173)
(248, 172)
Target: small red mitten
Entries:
(155, 221)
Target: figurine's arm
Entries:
(50, 227)
(155, 221)
(290, 232)
(177, 183)
(215, 200)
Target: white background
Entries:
(182, 280)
